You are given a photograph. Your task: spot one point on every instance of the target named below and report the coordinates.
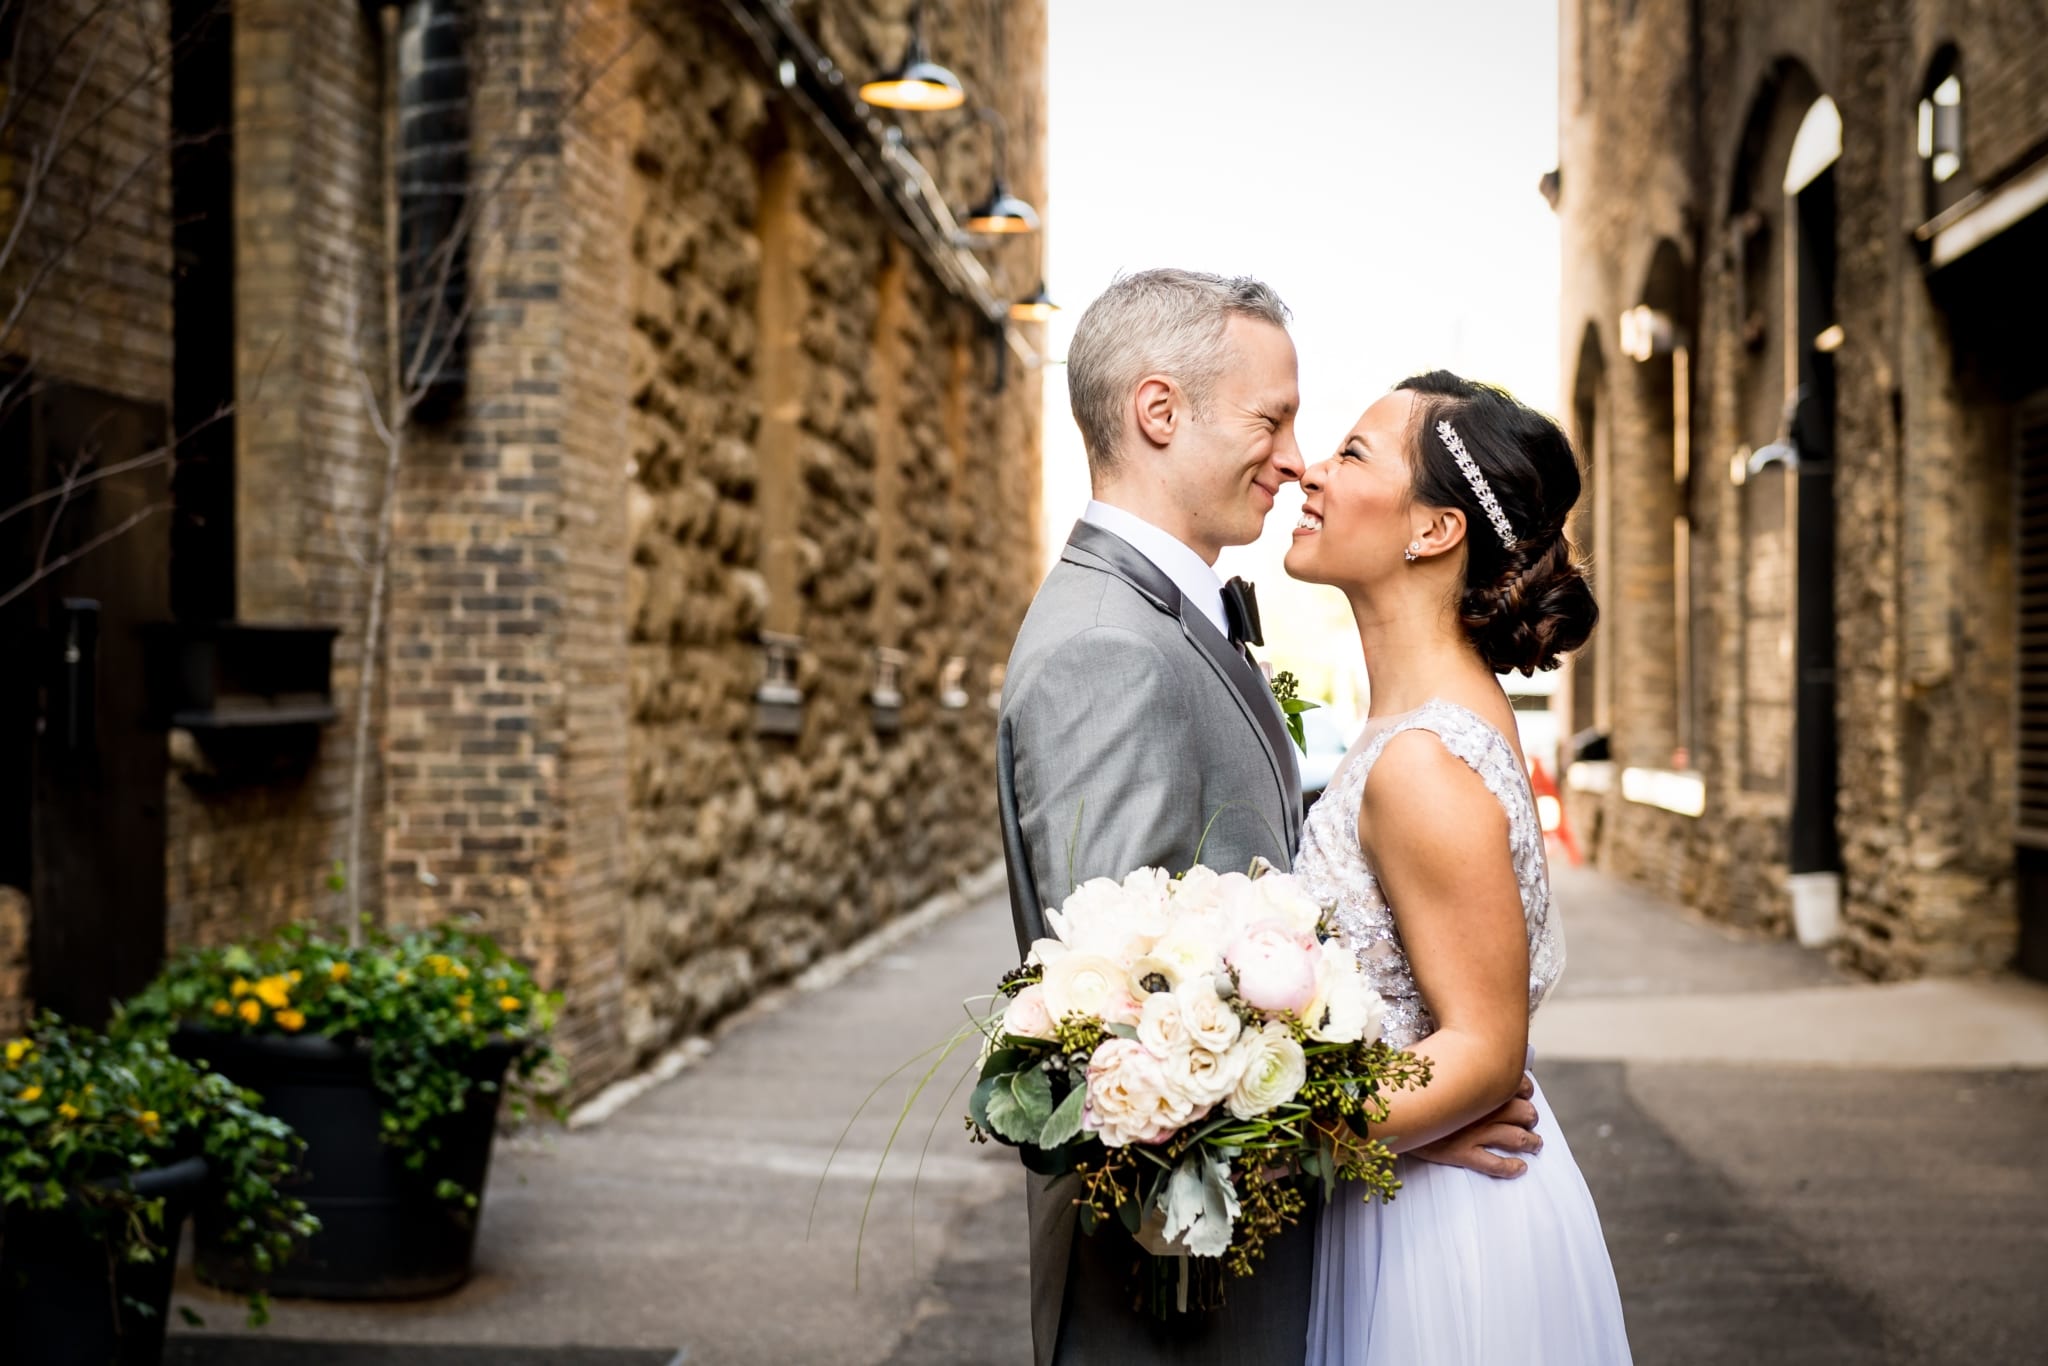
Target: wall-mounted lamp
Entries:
(885, 698)
(1647, 332)
(1035, 307)
(779, 701)
(1941, 129)
(953, 683)
(999, 212)
(916, 83)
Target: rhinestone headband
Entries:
(1501, 525)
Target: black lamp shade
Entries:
(1002, 212)
(1035, 307)
(917, 83)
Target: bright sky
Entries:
(1376, 161)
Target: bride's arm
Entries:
(1438, 841)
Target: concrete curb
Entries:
(826, 972)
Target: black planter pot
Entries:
(384, 1233)
(59, 1287)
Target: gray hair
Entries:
(1157, 322)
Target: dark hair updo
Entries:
(1525, 605)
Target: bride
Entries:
(1442, 519)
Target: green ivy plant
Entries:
(422, 1004)
(81, 1112)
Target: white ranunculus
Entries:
(1242, 903)
(1043, 951)
(1129, 1099)
(1089, 985)
(1272, 1070)
(1203, 1077)
(1210, 1021)
(1197, 891)
(1026, 1016)
(1150, 886)
(1160, 1025)
(1187, 951)
(1102, 918)
(1288, 901)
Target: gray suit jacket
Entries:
(1133, 734)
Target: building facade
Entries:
(1801, 241)
(709, 440)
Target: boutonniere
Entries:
(1286, 691)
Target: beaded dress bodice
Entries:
(1335, 870)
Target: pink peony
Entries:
(1276, 967)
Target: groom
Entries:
(1134, 721)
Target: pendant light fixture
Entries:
(916, 83)
(1000, 212)
(1035, 307)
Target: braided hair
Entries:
(1525, 604)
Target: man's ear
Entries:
(1158, 404)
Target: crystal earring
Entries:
(1413, 553)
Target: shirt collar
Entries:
(1197, 580)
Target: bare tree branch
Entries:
(44, 571)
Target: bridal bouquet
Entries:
(1187, 1045)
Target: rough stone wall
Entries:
(906, 469)
(1667, 132)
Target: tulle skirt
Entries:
(1467, 1270)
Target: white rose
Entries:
(1160, 1026)
(1089, 985)
(1026, 1017)
(1204, 1077)
(1129, 1100)
(1272, 1070)
(1210, 1021)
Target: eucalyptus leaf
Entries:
(1033, 1090)
(1121, 1031)
(1002, 1114)
(977, 1104)
(1065, 1121)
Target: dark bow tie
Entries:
(1241, 612)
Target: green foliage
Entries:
(82, 1112)
(1286, 691)
(422, 1003)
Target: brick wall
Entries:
(1670, 135)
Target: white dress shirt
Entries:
(1197, 580)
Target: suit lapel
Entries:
(1096, 548)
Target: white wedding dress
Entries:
(1460, 1269)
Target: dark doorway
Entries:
(81, 770)
(1815, 846)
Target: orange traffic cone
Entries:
(1550, 809)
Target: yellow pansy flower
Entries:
(296, 976)
(221, 1007)
(509, 1003)
(239, 987)
(463, 1000)
(67, 1109)
(291, 1021)
(339, 972)
(402, 977)
(250, 1011)
(466, 1017)
(17, 1049)
(31, 1094)
(149, 1122)
(461, 972)
(273, 992)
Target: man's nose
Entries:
(1287, 456)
